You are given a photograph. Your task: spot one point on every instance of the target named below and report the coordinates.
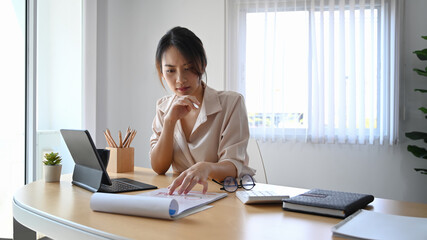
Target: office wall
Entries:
(128, 87)
(59, 69)
(128, 33)
(58, 64)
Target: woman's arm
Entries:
(235, 136)
(161, 154)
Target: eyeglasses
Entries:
(230, 183)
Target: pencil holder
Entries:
(121, 160)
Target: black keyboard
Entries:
(124, 185)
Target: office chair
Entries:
(256, 162)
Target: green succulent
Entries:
(52, 159)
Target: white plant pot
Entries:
(52, 173)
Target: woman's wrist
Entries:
(220, 170)
(210, 167)
(169, 121)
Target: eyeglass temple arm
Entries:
(215, 181)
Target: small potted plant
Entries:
(52, 167)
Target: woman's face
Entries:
(177, 72)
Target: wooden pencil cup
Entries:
(121, 160)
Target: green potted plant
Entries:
(419, 152)
(52, 167)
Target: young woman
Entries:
(201, 132)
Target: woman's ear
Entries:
(162, 76)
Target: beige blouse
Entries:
(221, 132)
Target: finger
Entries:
(194, 99)
(185, 183)
(205, 187)
(195, 105)
(188, 105)
(175, 184)
(195, 102)
(192, 104)
(191, 101)
(185, 104)
(171, 189)
(189, 187)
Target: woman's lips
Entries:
(183, 89)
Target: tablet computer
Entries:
(90, 165)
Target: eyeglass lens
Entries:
(230, 184)
(247, 182)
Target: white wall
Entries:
(128, 86)
(128, 32)
(59, 64)
(59, 85)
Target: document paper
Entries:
(155, 204)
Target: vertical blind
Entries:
(323, 71)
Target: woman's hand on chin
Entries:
(181, 106)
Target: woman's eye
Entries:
(170, 71)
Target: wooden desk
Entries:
(61, 211)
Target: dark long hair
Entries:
(188, 44)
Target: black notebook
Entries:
(328, 203)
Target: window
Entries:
(319, 71)
(12, 106)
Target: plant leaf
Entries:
(421, 90)
(52, 159)
(423, 109)
(420, 72)
(421, 170)
(418, 151)
(416, 135)
(425, 37)
(421, 54)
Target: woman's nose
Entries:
(181, 78)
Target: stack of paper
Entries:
(374, 225)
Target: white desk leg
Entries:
(22, 232)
